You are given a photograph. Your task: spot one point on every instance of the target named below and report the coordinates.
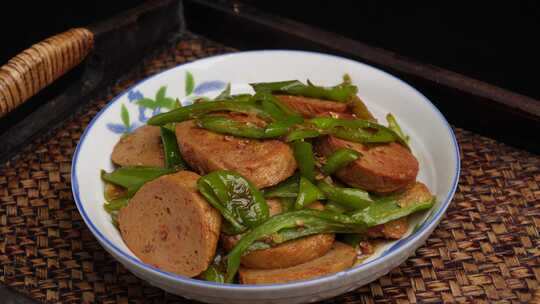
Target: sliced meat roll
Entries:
(169, 225)
(140, 148)
(311, 107)
(381, 168)
(339, 258)
(264, 162)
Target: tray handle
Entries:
(38, 66)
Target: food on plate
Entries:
(264, 162)
(287, 254)
(169, 225)
(338, 258)
(310, 107)
(382, 168)
(397, 228)
(141, 148)
(289, 183)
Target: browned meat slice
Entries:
(141, 148)
(288, 254)
(310, 107)
(418, 192)
(169, 225)
(382, 168)
(392, 230)
(339, 258)
(263, 162)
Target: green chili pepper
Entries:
(236, 198)
(394, 126)
(116, 204)
(236, 98)
(287, 188)
(307, 194)
(385, 210)
(341, 92)
(339, 159)
(334, 207)
(213, 274)
(360, 109)
(314, 222)
(133, 178)
(225, 125)
(282, 126)
(173, 158)
(289, 234)
(354, 130)
(197, 109)
(259, 246)
(299, 134)
(303, 153)
(350, 198)
(273, 105)
(358, 106)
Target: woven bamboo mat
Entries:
(486, 249)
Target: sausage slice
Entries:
(169, 225)
(339, 258)
(263, 162)
(396, 229)
(140, 148)
(310, 107)
(382, 168)
(287, 254)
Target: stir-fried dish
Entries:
(290, 183)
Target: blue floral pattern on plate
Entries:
(148, 107)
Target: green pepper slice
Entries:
(354, 129)
(394, 126)
(300, 134)
(132, 178)
(307, 194)
(236, 198)
(173, 158)
(341, 92)
(350, 198)
(339, 159)
(116, 204)
(197, 109)
(303, 153)
(287, 188)
(225, 125)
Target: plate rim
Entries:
(411, 240)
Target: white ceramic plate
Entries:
(432, 142)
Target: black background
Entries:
(494, 41)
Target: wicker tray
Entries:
(486, 249)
